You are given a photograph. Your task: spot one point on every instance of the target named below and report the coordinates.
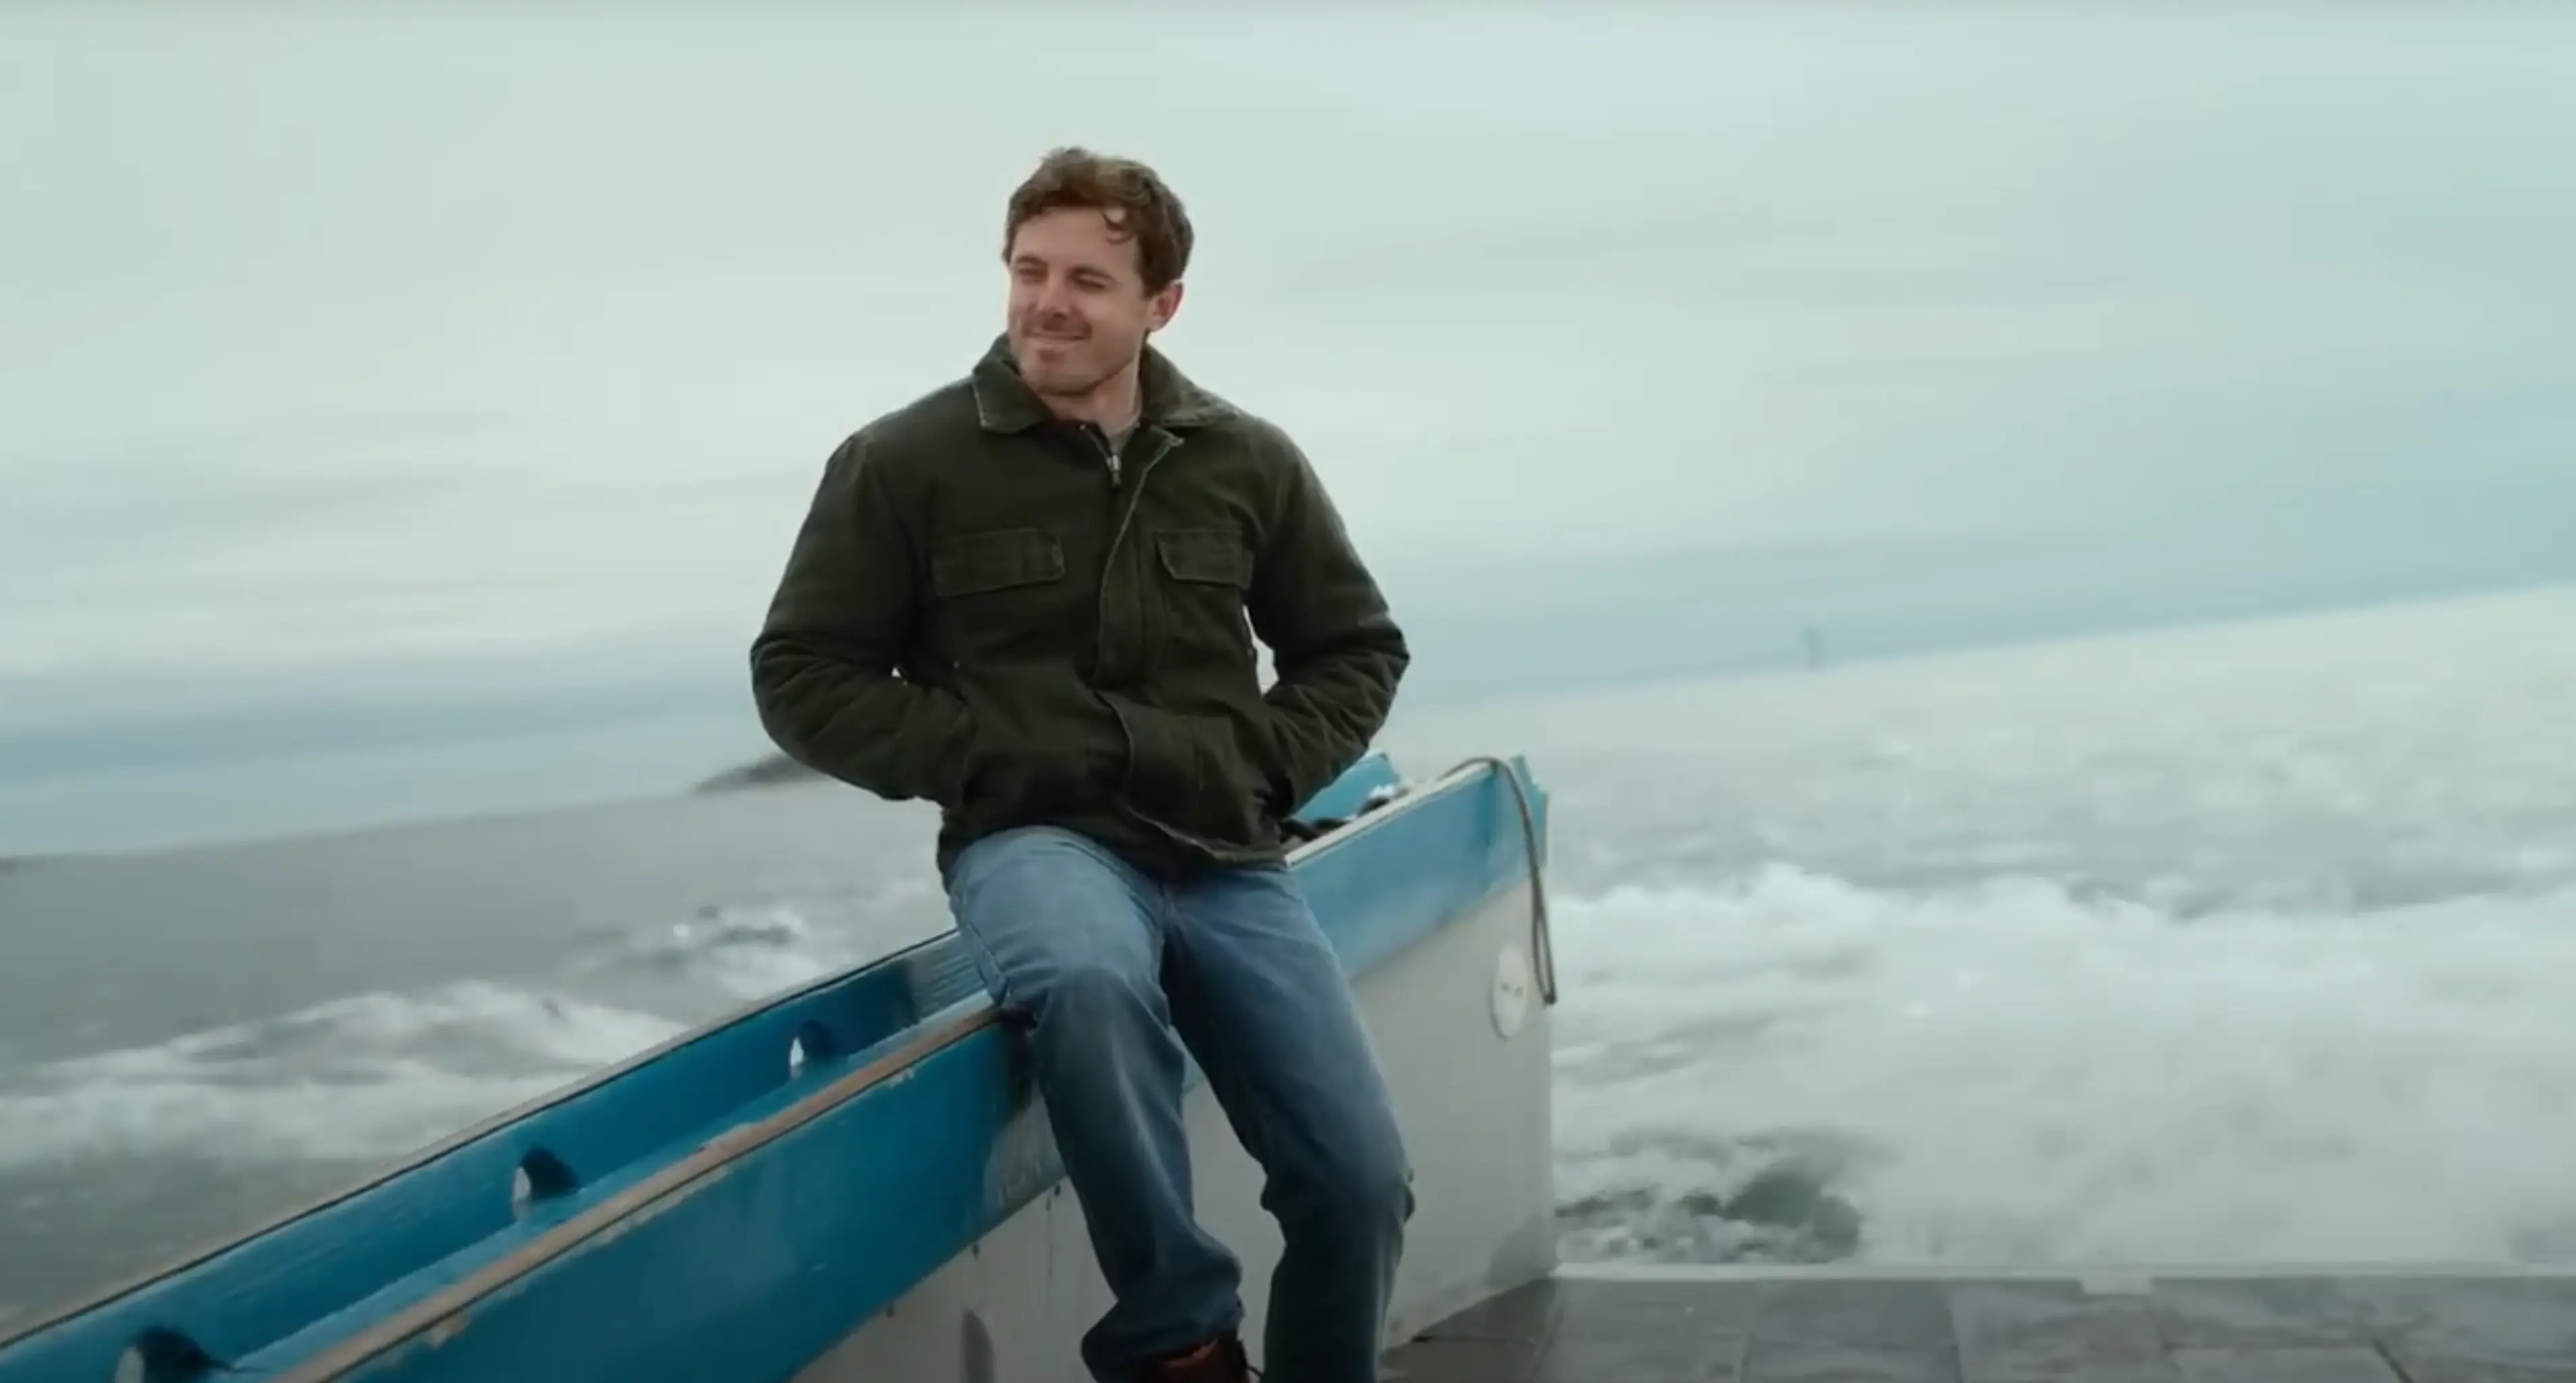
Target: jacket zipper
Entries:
(1108, 453)
(1134, 491)
(1157, 450)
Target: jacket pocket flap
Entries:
(1213, 556)
(972, 563)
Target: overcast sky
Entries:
(491, 353)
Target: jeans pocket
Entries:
(988, 968)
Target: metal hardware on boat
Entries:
(1510, 999)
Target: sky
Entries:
(376, 383)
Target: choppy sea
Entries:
(2237, 943)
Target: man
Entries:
(1031, 598)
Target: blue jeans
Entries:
(1113, 970)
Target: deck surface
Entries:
(2170, 1329)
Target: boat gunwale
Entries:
(674, 1179)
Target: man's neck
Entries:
(1113, 407)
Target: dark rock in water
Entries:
(1781, 1216)
(777, 768)
(1795, 1199)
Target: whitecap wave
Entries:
(2020, 1072)
(379, 1075)
(747, 951)
(358, 1079)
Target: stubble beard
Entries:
(1078, 378)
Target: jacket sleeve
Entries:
(1336, 648)
(824, 668)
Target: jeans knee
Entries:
(1093, 996)
(1383, 1198)
(1357, 1192)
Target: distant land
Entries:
(763, 772)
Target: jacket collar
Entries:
(1005, 403)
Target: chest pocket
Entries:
(999, 594)
(972, 564)
(1206, 572)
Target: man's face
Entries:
(1079, 312)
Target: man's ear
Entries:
(1164, 307)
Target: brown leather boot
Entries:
(1220, 1360)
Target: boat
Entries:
(853, 1182)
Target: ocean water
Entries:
(2240, 943)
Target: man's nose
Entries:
(1054, 295)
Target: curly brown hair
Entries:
(1132, 196)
